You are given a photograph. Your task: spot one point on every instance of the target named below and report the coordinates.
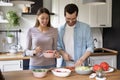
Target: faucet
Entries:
(95, 43)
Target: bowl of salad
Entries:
(39, 73)
(83, 69)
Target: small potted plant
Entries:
(13, 21)
(10, 38)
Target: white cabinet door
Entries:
(11, 65)
(100, 15)
(84, 11)
(58, 8)
(111, 60)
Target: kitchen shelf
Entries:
(6, 4)
(35, 14)
(22, 2)
(3, 21)
(11, 30)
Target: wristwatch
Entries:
(34, 54)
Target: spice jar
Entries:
(100, 75)
(25, 9)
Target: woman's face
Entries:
(43, 19)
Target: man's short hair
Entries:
(71, 8)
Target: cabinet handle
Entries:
(21, 64)
(102, 25)
(3, 68)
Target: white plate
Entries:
(110, 70)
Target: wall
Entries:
(111, 36)
(26, 21)
(97, 36)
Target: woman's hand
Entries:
(56, 54)
(37, 50)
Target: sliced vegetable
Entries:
(39, 70)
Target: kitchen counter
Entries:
(27, 75)
(19, 56)
(8, 56)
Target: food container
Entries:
(49, 53)
(39, 73)
(83, 69)
(61, 72)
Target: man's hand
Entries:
(66, 56)
(79, 62)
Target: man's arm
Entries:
(83, 58)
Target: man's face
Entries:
(71, 18)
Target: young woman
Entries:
(40, 38)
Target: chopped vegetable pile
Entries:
(39, 70)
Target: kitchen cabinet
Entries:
(84, 12)
(58, 9)
(101, 15)
(95, 16)
(10, 62)
(12, 65)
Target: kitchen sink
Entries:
(104, 50)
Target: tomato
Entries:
(72, 68)
(104, 65)
(97, 67)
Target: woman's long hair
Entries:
(39, 12)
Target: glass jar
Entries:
(1, 15)
(100, 74)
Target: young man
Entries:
(75, 41)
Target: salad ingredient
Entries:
(104, 65)
(97, 67)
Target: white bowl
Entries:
(61, 72)
(83, 69)
(49, 54)
(39, 73)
